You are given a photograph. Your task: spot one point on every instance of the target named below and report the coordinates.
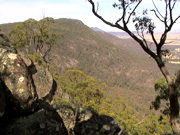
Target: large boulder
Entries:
(20, 90)
(43, 80)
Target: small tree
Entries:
(144, 24)
(35, 34)
(83, 89)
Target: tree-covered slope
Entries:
(130, 76)
(81, 48)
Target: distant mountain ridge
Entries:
(97, 29)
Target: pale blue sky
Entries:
(20, 10)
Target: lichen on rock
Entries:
(16, 77)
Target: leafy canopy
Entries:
(37, 35)
(83, 89)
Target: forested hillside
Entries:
(79, 47)
(119, 63)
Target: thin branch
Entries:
(167, 28)
(174, 4)
(162, 42)
(133, 11)
(121, 132)
(97, 7)
(157, 10)
(119, 20)
(153, 38)
(176, 19)
(102, 19)
(170, 12)
(142, 37)
(124, 13)
(142, 121)
(166, 14)
(157, 15)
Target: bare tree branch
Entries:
(119, 20)
(167, 27)
(166, 14)
(133, 11)
(97, 7)
(142, 37)
(124, 13)
(153, 38)
(176, 19)
(101, 18)
(157, 15)
(174, 4)
(157, 11)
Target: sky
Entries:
(21, 10)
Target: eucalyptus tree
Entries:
(37, 35)
(129, 12)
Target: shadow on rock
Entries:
(45, 121)
(91, 123)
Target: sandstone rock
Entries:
(17, 78)
(43, 81)
(67, 113)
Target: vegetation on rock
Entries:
(35, 35)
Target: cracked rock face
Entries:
(17, 79)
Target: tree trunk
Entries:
(174, 109)
(173, 96)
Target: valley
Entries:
(172, 44)
(119, 62)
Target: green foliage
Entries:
(149, 125)
(23, 34)
(35, 34)
(36, 58)
(161, 101)
(83, 89)
(76, 82)
(63, 102)
(143, 23)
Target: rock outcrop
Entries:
(28, 105)
(86, 121)
(43, 122)
(18, 83)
